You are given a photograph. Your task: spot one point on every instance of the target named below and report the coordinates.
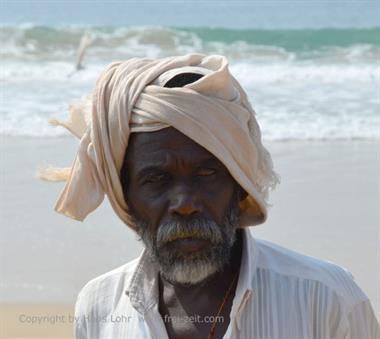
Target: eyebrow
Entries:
(161, 166)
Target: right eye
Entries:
(155, 178)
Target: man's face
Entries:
(184, 202)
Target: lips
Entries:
(184, 238)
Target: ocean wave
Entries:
(325, 89)
(31, 42)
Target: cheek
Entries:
(144, 205)
(217, 198)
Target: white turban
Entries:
(129, 97)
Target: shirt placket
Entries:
(236, 316)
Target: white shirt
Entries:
(280, 294)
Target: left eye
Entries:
(203, 172)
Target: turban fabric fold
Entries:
(129, 96)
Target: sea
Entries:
(311, 75)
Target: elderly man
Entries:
(175, 146)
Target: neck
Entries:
(225, 275)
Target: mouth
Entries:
(189, 244)
(184, 237)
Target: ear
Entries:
(242, 194)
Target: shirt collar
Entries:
(142, 288)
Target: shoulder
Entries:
(287, 264)
(99, 293)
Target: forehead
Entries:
(166, 144)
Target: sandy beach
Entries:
(326, 206)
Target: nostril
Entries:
(184, 210)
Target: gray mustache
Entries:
(196, 228)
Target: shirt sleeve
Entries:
(362, 323)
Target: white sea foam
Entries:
(293, 100)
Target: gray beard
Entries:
(191, 269)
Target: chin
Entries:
(190, 272)
(192, 268)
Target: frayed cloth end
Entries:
(53, 174)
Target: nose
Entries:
(184, 203)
